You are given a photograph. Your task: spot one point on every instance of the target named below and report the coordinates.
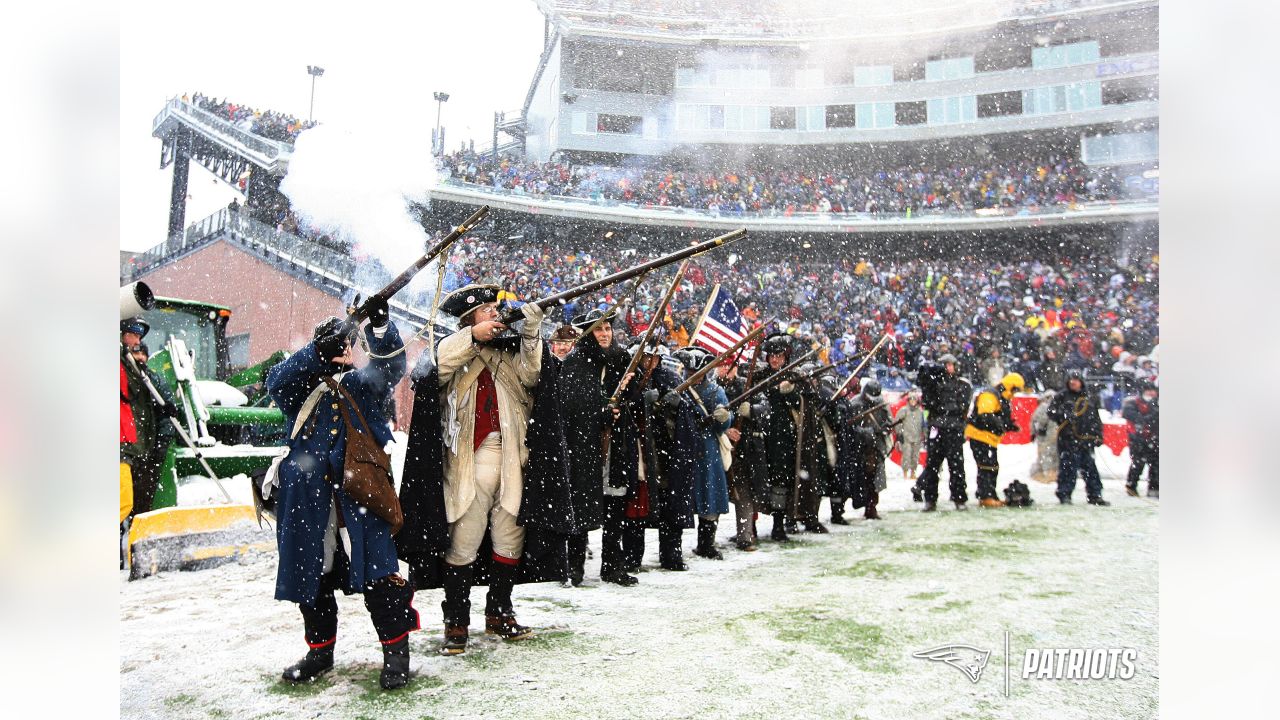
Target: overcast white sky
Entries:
(382, 60)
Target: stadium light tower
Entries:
(314, 71)
(441, 99)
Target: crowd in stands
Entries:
(1040, 319)
(266, 123)
(1022, 184)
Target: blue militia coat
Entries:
(312, 473)
(710, 484)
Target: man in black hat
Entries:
(946, 395)
(602, 449)
(1075, 409)
(703, 455)
(485, 393)
(748, 475)
(782, 434)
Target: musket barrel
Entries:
(629, 273)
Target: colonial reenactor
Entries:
(946, 397)
(325, 540)
(703, 454)
(749, 472)
(870, 425)
(561, 342)
(664, 483)
(602, 449)
(470, 445)
(781, 436)
(1075, 409)
(990, 418)
(815, 463)
(1143, 414)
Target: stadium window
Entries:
(949, 69)
(875, 115)
(911, 113)
(583, 123)
(762, 118)
(732, 117)
(1127, 90)
(684, 116)
(715, 117)
(841, 116)
(872, 75)
(782, 118)
(620, 124)
(944, 111)
(1000, 104)
(1065, 55)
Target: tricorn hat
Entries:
(466, 299)
(777, 343)
(567, 333)
(694, 358)
(585, 320)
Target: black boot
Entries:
(670, 550)
(779, 533)
(930, 506)
(499, 616)
(916, 495)
(456, 608)
(837, 511)
(315, 663)
(870, 513)
(1098, 501)
(707, 540)
(812, 525)
(577, 557)
(395, 665)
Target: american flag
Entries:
(721, 325)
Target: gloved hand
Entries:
(532, 319)
(744, 410)
(1013, 427)
(671, 399)
(331, 346)
(650, 396)
(721, 414)
(169, 409)
(378, 312)
(786, 387)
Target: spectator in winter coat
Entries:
(1075, 410)
(911, 429)
(1045, 466)
(1143, 414)
(1050, 370)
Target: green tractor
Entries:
(228, 430)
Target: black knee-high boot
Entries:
(456, 607)
(577, 557)
(499, 616)
(390, 605)
(670, 547)
(707, 540)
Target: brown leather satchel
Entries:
(366, 469)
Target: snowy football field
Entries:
(823, 627)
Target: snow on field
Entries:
(823, 627)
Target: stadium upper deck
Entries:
(655, 78)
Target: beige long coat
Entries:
(461, 360)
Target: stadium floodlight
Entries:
(314, 71)
(441, 99)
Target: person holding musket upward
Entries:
(485, 399)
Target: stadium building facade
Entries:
(875, 81)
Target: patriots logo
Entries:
(967, 659)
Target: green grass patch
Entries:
(951, 605)
(958, 550)
(862, 644)
(873, 568)
(1021, 533)
(180, 700)
(930, 595)
(1044, 594)
(276, 686)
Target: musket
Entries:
(654, 322)
(696, 377)
(773, 379)
(845, 385)
(621, 275)
(359, 314)
(614, 307)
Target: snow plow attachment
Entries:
(194, 538)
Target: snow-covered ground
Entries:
(823, 627)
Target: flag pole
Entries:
(710, 301)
